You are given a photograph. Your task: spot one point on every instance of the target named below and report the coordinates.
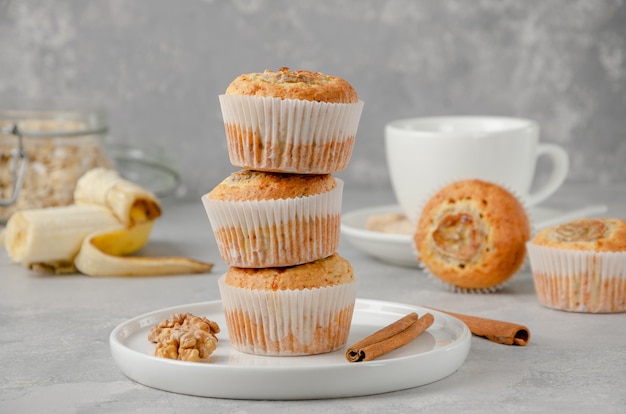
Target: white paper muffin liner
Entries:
(276, 233)
(288, 322)
(289, 135)
(579, 281)
(458, 289)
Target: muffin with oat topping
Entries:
(580, 265)
(264, 219)
(297, 310)
(293, 121)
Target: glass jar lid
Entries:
(52, 123)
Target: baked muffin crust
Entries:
(593, 234)
(331, 271)
(298, 84)
(259, 185)
(472, 234)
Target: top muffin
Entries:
(297, 84)
(298, 122)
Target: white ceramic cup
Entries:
(424, 154)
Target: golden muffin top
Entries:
(472, 234)
(331, 271)
(593, 234)
(259, 185)
(294, 84)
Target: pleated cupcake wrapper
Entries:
(270, 233)
(288, 135)
(288, 322)
(457, 289)
(579, 281)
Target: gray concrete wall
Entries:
(157, 66)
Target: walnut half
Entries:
(185, 337)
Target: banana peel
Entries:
(100, 255)
(111, 219)
(123, 242)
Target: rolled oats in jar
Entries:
(43, 153)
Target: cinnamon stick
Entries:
(391, 337)
(500, 332)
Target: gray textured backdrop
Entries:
(158, 66)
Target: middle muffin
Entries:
(263, 219)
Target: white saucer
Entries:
(397, 249)
(433, 355)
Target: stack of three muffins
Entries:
(277, 221)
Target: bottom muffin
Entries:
(288, 311)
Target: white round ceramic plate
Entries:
(397, 249)
(433, 355)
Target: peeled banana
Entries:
(54, 233)
(111, 219)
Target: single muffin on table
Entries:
(471, 235)
(264, 219)
(293, 121)
(288, 311)
(580, 265)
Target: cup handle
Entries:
(560, 168)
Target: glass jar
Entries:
(43, 153)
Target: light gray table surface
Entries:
(54, 351)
